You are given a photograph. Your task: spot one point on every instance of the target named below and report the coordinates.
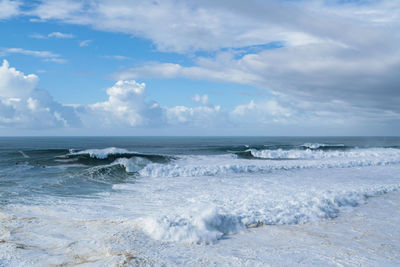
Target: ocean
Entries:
(199, 201)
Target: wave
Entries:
(282, 160)
(323, 146)
(211, 224)
(101, 153)
(115, 172)
(109, 155)
(248, 161)
(131, 165)
(321, 155)
(109, 174)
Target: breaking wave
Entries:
(109, 155)
(322, 155)
(117, 171)
(325, 146)
(101, 153)
(211, 224)
(248, 161)
(281, 160)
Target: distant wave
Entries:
(246, 161)
(111, 154)
(321, 154)
(282, 160)
(209, 225)
(102, 153)
(324, 146)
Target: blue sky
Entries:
(209, 68)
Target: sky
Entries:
(200, 67)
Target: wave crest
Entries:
(101, 153)
(212, 224)
(321, 154)
(281, 160)
(112, 154)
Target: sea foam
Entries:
(288, 160)
(320, 154)
(211, 224)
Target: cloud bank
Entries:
(22, 105)
(324, 62)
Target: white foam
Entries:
(200, 199)
(319, 145)
(211, 224)
(374, 153)
(305, 159)
(132, 164)
(205, 227)
(102, 153)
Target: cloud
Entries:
(317, 73)
(9, 8)
(182, 26)
(24, 106)
(84, 43)
(46, 55)
(60, 9)
(318, 60)
(60, 35)
(201, 99)
(306, 117)
(202, 116)
(126, 106)
(336, 62)
(57, 35)
(38, 36)
(116, 57)
(265, 112)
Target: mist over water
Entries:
(115, 200)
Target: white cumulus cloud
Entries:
(24, 106)
(203, 116)
(126, 106)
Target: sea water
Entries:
(199, 201)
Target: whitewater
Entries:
(191, 201)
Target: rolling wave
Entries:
(321, 154)
(114, 153)
(325, 146)
(247, 161)
(209, 225)
(110, 155)
(281, 160)
(116, 172)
